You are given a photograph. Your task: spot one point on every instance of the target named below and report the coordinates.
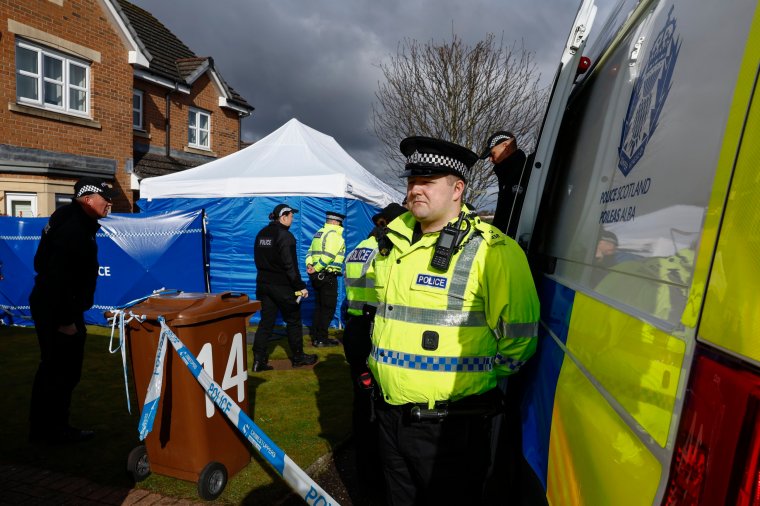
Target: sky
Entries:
(317, 61)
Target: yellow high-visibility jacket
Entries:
(327, 249)
(360, 289)
(444, 335)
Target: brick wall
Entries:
(84, 23)
(204, 95)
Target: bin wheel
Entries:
(212, 481)
(137, 463)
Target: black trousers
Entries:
(326, 300)
(274, 299)
(435, 463)
(59, 372)
(357, 345)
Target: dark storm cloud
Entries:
(317, 61)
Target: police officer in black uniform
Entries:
(279, 287)
(66, 263)
(512, 169)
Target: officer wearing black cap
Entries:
(66, 263)
(279, 287)
(324, 263)
(512, 169)
(457, 311)
(361, 305)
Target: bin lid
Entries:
(188, 308)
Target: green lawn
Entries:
(306, 412)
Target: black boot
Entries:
(261, 365)
(324, 343)
(300, 359)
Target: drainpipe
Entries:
(168, 118)
(168, 126)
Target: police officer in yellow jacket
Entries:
(324, 263)
(457, 310)
(361, 304)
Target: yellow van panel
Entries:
(636, 363)
(732, 141)
(731, 317)
(594, 457)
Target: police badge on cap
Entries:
(91, 185)
(426, 156)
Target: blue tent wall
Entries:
(234, 222)
(137, 254)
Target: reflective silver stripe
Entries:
(324, 239)
(443, 317)
(432, 363)
(516, 330)
(356, 304)
(462, 272)
(360, 283)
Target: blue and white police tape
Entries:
(150, 406)
(293, 475)
(120, 319)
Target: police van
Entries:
(642, 223)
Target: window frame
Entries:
(13, 197)
(140, 111)
(62, 199)
(197, 113)
(67, 87)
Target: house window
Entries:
(52, 80)
(199, 129)
(137, 109)
(61, 199)
(21, 204)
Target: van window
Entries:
(635, 160)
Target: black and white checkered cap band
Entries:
(88, 189)
(498, 139)
(331, 216)
(439, 160)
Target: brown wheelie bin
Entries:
(191, 440)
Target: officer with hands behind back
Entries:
(457, 310)
(66, 263)
(324, 263)
(279, 287)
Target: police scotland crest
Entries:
(648, 96)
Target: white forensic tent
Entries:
(294, 164)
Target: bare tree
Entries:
(459, 93)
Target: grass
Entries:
(306, 412)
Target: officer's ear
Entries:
(458, 188)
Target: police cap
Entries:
(389, 212)
(90, 186)
(332, 215)
(281, 209)
(494, 139)
(426, 156)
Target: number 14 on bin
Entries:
(235, 374)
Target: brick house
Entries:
(102, 88)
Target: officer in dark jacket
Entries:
(512, 170)
(66, 263)
(279, 287)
